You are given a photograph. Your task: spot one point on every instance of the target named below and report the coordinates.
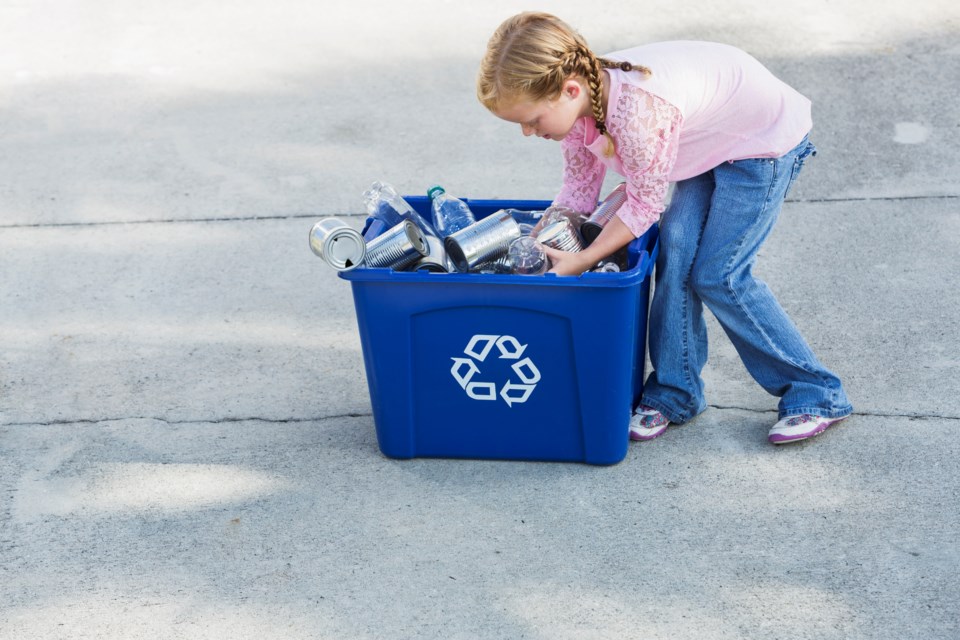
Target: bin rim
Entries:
(647, 246)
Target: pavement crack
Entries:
(229, 420)
(110, 223)
(868, 414)
(348, 214)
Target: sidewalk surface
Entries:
(186, 443)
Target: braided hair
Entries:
(532, 54)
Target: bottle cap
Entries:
(432, 192)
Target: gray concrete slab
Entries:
(175, 321)
(125, 112)
(870, 286)
(186, 443)
(141, 528)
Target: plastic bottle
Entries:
(387, 209)
(449, 214)
(527, 257)
(526, 219)
(557, 212)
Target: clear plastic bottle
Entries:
(556, 212)
(387, 209)
(449, 214)
(526, 219)
(527, 257)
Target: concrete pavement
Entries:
(186, 443)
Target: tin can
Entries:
(603, 214)
(607, 266)
(561, 235)
(437, 261)
(500, 265)
(484, 241)
(398, 248)
(338, 244)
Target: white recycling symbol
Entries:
(510, 348)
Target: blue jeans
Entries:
(709, 238)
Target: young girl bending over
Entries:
(733, 138)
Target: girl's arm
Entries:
(614, 236)
(647, 131)
(583, 172)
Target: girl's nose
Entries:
(527, 129)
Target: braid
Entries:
(581, 61)
(595, 80)
(624, 66)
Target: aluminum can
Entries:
(561, 235)
(604, 212)
(437, 261)
(500, 265)
(398, 248)
(338, 244)
(607, 266)
(484, 241)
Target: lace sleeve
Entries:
(646, 129)
(583, 172)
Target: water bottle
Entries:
(387, 209)
(449, 214)
(527, 257)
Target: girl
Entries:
(733, 138)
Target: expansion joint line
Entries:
(94, 421)
(348, 214)
(867, 414)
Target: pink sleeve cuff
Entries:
(637, 217)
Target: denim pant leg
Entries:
(747, 198)
(678, 335)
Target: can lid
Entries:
(416, 237)
(434, 191)
(344, 249)
(552, 231)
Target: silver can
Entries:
(484, 241)
(607, 266)
(603, 213)
(398, 248)
(561, 235)
(500, 265)
(340, 246)
(438, 261)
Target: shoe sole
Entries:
(782, 439)
(636, 437)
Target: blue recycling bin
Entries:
(506, 367)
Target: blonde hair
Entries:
(532, 54)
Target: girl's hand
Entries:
(566, 263)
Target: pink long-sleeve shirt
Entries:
(704, 104)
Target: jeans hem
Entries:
(841, 412)
(653, 404)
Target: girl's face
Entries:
(549, 119)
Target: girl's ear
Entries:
(572, 89)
